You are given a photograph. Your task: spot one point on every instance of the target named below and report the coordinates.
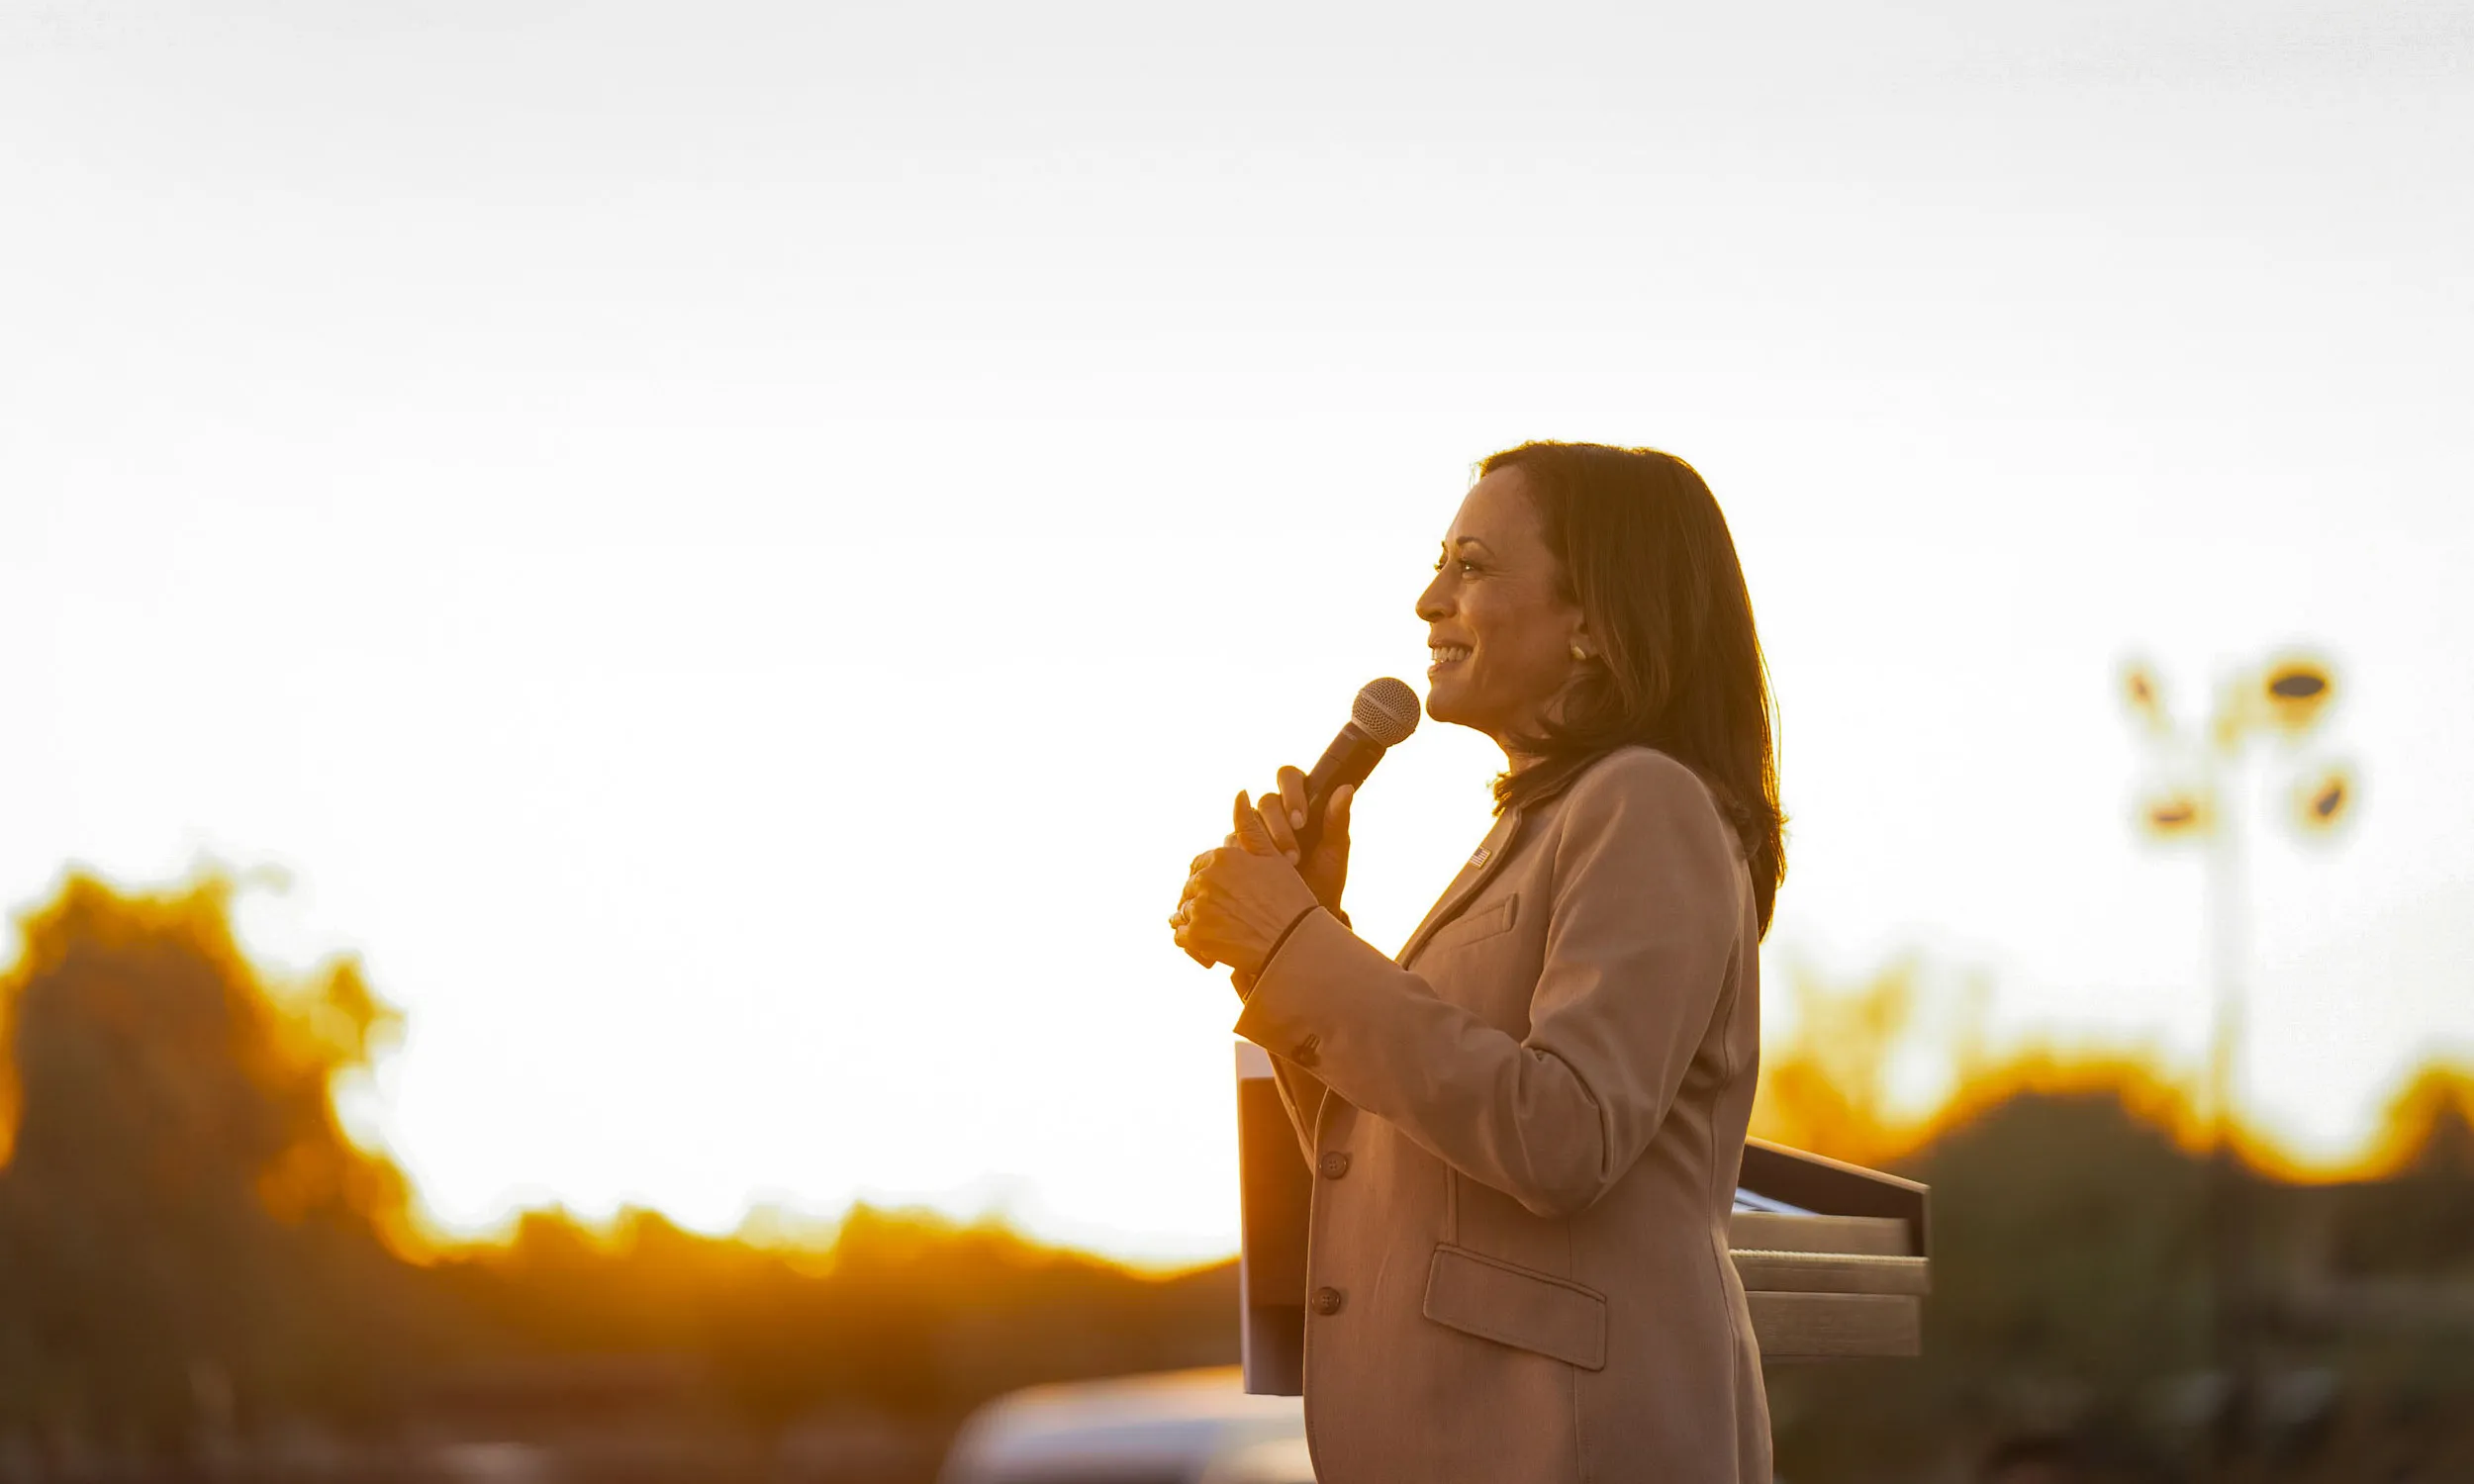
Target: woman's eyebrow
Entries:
(1481, 545)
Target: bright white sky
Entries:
(734, 551)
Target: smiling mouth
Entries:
(1446, 654)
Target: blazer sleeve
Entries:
(1300, 1091)
(1644, 921)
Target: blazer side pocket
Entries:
(1468, 927)
(1517, 1306)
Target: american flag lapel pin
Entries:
(1478, 856)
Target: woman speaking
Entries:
(1526, 1129)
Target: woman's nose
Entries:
(1431, 605)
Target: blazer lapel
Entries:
(1484, 863)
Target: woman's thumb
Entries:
(1249, 830)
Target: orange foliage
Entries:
(1825, 1088)
(138, 1016)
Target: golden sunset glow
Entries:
(730, 560)
(1829, 1088)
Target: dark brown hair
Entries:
(1644, 551)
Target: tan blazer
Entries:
(1526, 1133)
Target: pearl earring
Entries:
(1580, 653)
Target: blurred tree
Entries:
(2071, 1253)
(187, 1238)
(907, 1314)
(1825, 1087)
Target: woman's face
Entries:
(1500, 629)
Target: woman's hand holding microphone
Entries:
(1242, 896)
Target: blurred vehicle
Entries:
(1188, 1427)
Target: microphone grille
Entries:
(1386, 710)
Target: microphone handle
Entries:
(1349, 758)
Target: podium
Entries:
(1835, 1259)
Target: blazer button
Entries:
(1306, 1053)
(1327, 1301)
(1335, 1163)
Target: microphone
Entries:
(1381, 718)
(1384, 714)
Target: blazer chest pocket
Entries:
(1517, 1306)
(1482, 922)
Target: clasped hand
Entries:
(1240, 895)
